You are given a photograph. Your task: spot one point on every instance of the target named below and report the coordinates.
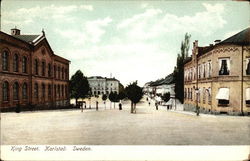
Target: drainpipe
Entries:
(242, 70)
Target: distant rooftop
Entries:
(26, 38)
(241, 38)
(100, 77)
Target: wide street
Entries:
(114, 127)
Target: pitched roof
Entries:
(26, 38)
(167, 80)
(241, 38)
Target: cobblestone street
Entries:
(114, 127)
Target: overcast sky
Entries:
(133, 40)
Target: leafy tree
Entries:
(179, 69)
(79, 86)
(166, 97)
(113, 97)
(104, 98)
(134, 94)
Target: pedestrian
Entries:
(149, 103)
(120, 106)
(96, 105)
(156, 105)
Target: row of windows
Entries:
(94, 88)
(60, 91)
(222, 95)
(60, 73)
(99, 92)
(6, 66)
(189, 93)
(16, 88)
(205, 69)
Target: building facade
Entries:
(217, 77)
(161, 86)
(30, 72)
(102, 85)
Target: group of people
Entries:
(156, 103)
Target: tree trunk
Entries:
(131, 107)
(114, 105)
(135, 107)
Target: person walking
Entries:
(96, 105)
(156, 105)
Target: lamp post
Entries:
(197, 107)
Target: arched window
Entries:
(43, 90)
(49, 70)
(43, 68)
(36, 90)
(25, 91)
(59, 70)
(54, 71)
(36, 67)
(5, 61)
(62, 88)
(24, 65)
(15, 63)
(58, 90)
(66, 93)
(62, 73)
(55, 91)
(5, 91)
(15, 91)
(49, 91)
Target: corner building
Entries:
(30, 72)
(217, 77)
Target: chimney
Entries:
(217, 41)
(15, 31)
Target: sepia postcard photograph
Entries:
(125, 80)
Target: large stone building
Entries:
(30, 72)
(217, 77)
(102, 85)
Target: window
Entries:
(36, 66)
(24, 91)
(5, 91)
(43, 91)
(58, 90)
(209, 95)
(204, 70)
(49, 70)
(188, 96)
(5, 61)
(36, 90)
(204, 95)
(66, 91)
(15, 63)
(209, 68)
(54, 71)
(185, 93)
(49, 91)
(24, 66)
(15, 91)
(62, 73)
(223, 96)
(43, 68)
(248, 96)
(62, 88)
(224, 66)
(199, 95)
(248, 67)
(55, 91)
(59, 70)
(191, 94)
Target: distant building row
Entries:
(30, 72)
(102, 85)
(161, 86)
(217, 77)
